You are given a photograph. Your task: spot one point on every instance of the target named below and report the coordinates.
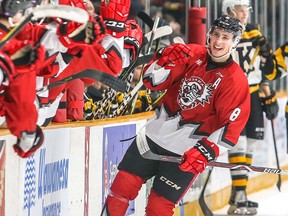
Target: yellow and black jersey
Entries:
(247, 55)
(280, 57)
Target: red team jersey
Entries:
(18, 99)
(202, 100)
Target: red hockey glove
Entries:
(196, 159)
(133, 37)
(7, 67)
(74, 34)
(24, 56)
(270, 106)
(115, 13)
(117, 10)
(26, 142)
(265, 49)
(170, 56)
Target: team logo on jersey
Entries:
(194, 91)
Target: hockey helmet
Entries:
(229, 5)
(10, 7)
(228, 24)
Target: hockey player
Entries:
(29, 59)
(252, 40)
(65, 40)
(18, 72)
(202, 114)
(279, 63)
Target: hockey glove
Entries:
(270, 106)
(133, 38)
(175, 54)
(265, 49)
(115, 13)
(29, 143)
(24, 56)
(196, 159)
(73, 34)
(6, 67)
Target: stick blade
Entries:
(62, 11)
(107, 79)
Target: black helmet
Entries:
(10, 7)
(229, 24)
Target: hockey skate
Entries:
(239, 205)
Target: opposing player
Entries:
(279, 64)
(252, 40)
(202, 114)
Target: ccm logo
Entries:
(204, 151)
(170, 183)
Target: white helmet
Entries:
(228, 5)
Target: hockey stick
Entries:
(133, 94)
(159, 32)
(205, 209)
(146, 153)
(276, 155)
(150, 23)
(110, 94)
(126, 74)
(152, 106)
(146, 19)
(61, 11)
(109, 80)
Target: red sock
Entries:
(158, 205)
(125, 187)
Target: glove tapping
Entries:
(175, 54)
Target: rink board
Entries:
(71, 173)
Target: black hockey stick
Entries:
(205, 209)
(127, 74)
(110, 94)
(276, 155)
(128, 98)
(145, 152)
(107, 79)
(61, 11)
(160, 32)
(150, 23)
(146, 19)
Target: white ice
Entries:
(271, 201)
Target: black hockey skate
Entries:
(239, 205)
